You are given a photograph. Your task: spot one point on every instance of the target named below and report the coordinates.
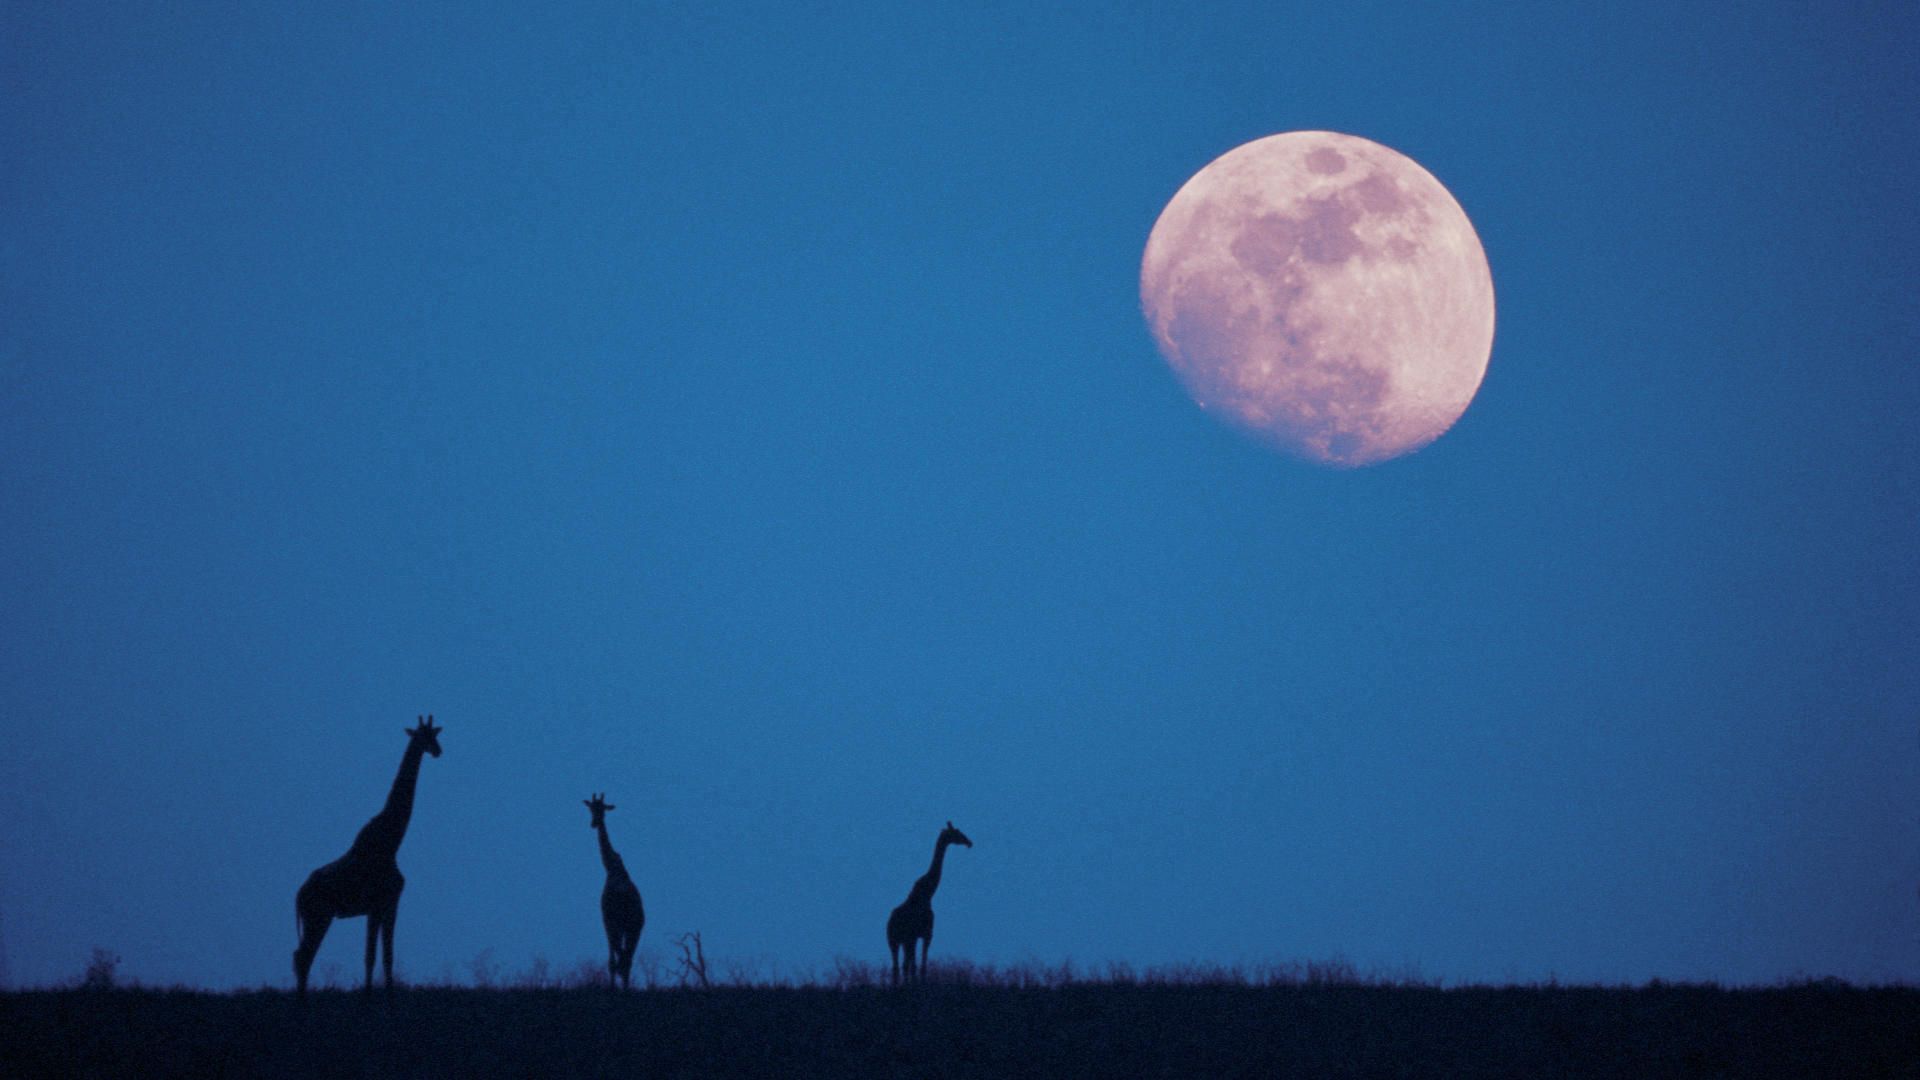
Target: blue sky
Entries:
(750, 415)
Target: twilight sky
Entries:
(750, 415)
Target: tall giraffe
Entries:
(913, 920)
(366, 880)
(620, 909)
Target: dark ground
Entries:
(1815, 1030)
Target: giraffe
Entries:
(620, 908)
(913, 919)
(366, 880)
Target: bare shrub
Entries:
(738, 973)
(539, 976)
(693, 961)
(102, 970)
(484, 969)
(651, 967)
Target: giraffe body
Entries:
(912, 922)
(366, 881)
(621, 912)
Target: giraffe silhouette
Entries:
(366, 880)
(620, 908)
(913, 920)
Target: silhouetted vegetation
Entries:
(103, 971)
(974, 1020)
(693, 961)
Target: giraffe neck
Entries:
(933, 872)
(389, 827)
(609, 858)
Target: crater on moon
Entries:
(1324, 293)
(1326, 160)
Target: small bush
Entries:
(485, 970)
(649, 971)
(584, 975)
(851, 974)
(539, 976)
(102, 971)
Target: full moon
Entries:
(1324, 293)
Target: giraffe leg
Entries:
(629, 943)
(893, 948)
(613, 956)
(313, 928)
(373, 938)
(926, 946)
(386, 942)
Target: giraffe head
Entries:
(951, 835)
(598, 806)
(426, 736)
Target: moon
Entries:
(1324, 293)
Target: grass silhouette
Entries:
(974, 1020)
